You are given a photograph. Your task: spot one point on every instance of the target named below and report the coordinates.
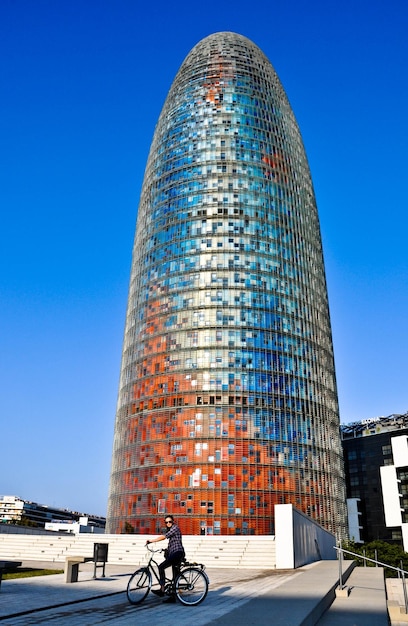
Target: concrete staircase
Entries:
(257, 552)
(35, 547)
(363, 600)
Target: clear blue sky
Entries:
(82, 86)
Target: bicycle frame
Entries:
(189, 583)
(153, 567)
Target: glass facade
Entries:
(227, 402)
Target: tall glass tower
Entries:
(227, 402)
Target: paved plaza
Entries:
(89, 602)
(236, 597)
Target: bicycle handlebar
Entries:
(147, 545)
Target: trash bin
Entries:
(100, 557)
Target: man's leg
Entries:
(162, 573)
(176, 560)
(162, 577)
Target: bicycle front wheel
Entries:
(191, 586)
(139, 585)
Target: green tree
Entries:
(387, 553)
(24, 521)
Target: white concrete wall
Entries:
(284, 536)
(299, 539)
(399, 447)
(353, 515)
(73, 527)
(391, 495)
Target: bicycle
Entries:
(190, 584)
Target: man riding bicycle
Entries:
(175, 553)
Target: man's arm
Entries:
(159, 538)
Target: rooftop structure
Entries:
(375, 425)
(15, 510)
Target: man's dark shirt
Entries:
(175, 541)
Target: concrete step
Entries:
(361, 601)
(396, 600)
(130, 549)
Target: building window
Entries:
(387, 450)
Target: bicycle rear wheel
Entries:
(191, 586)
(139, 585)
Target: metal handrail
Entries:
(366, 558)
(401, 572)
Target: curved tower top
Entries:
(227, 401)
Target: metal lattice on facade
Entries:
(227, 402)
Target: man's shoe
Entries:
(170, 599)
(158, 592)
